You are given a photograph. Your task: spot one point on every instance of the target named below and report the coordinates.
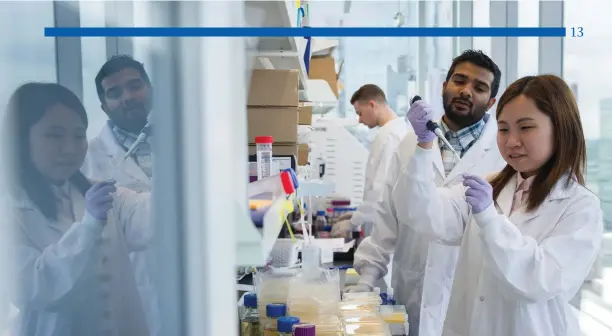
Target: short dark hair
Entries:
(480, 59)
(116, 64)
(368, 92)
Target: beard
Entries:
(462, 118)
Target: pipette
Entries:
(433, 126)
(144, 134)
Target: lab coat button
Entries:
(482, 298)
(429, 265)
(104, 260)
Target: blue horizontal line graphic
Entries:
(301, 32)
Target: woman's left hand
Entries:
(479, 193)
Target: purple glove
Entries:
(98, 199)
(479, 193)
(419, 114)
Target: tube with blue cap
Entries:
(435, 128)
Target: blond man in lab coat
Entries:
(371, 106)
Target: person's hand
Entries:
(341, 228)
(419, 114)
(479, 193)
(358, 288)
(347, 215)
(98, 199)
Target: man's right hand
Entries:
(419, 114)
(359, 288)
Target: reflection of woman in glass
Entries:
(70, 261)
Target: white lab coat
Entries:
(422, 270)
(75, 279)
(382, 149)
(515, 275)
(103, 155)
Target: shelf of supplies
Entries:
(321, 95)
(278, 52)
(253, 244)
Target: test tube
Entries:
(264, 156)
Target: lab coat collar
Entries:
(474, 155)
(558, 192)
(110, 146)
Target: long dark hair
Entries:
(554, 98)
(27, 105)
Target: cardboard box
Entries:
(274, 88)
(281, 150)
(305, 114)
(278, 122)
(302, 154)
(324, 67)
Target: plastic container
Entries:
(397, 319)
(275, 186)
(354, 304)
(249, 321)
(304, 329)
(369, 329)
(285, 325)
(364, 318)
(272, 287)
(264, 156)
(325, 232)
(320, 220)
(273, 312)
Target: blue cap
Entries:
(286, 323)
(321, 213)
(327, 228)
(293, 177)
(250, 300)
(276, 309)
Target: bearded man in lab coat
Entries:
(371, 106)
(423, 270)
(125, 94)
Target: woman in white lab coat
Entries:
(530, 234)
(69, 238)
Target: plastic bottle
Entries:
(273, 312)
(264, 156)
(325, 232)
(285, 325)
(274, 186)
(249, 321)
(320, 221)
(305, 329)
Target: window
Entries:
(481, 18)
(390, 63)
(586, 69)
(143, 46)
(528, 49)
(28, 55)
(93, 51)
